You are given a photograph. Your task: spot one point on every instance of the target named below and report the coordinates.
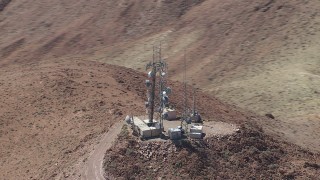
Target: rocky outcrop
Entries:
(3, 4)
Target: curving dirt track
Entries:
(94, 167)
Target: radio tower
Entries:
(157, 76)
(184, 121)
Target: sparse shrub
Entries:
(178, 164)
(124, 132)
(226, 154)
(273, 166)
(313, 165)
(129, 151)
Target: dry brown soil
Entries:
(247, 154)
(52, 113)
(260, 55)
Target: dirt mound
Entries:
(52, 111)
(248, 154)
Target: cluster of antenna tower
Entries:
(157, 85)
(157, 104)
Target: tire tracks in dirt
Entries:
(94, 166)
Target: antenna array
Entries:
(157, 82)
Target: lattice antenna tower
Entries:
(151, 83)
(157, 77)
(163, 90)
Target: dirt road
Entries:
(93, 168)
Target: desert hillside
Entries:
(62, 85)
(259, 55)
(52, 112)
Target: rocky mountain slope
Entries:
(248, 154)
(52, 112)
(261, 56)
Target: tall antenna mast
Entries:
(185, 83)
(160, 87)
(158, 68)
(194, 101)
(152, 92)
(184, 122)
